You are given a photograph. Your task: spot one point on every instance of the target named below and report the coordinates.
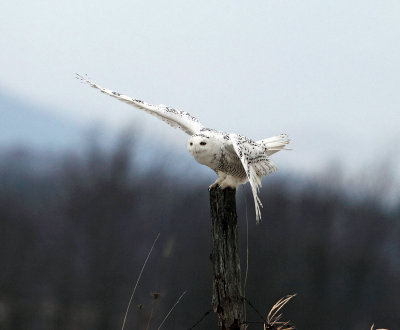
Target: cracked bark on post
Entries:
(227, 292)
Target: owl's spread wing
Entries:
(255, 162)
(173, 117)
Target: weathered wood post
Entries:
(227, 292)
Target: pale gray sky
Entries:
(325, 72)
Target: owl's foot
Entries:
(216, 183)
(212, 185)
(230, 181)
(220, 179)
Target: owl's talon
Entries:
(213, 185)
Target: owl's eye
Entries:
(203, 143)
(191, 143)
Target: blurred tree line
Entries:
(75, 231)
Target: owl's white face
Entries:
(203, 149)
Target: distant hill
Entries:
(24, 123)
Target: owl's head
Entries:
(201, 147)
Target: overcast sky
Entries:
(325, 72)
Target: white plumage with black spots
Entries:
(236, 159)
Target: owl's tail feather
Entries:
(255, 183)
(275, 143)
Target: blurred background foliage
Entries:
(75, 228)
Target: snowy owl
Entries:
(235, 158)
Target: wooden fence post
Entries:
(227, 298)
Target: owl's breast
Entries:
(210, 159)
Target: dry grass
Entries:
(274, 317)
(372, 328)
(177, 302)
(137, 282)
